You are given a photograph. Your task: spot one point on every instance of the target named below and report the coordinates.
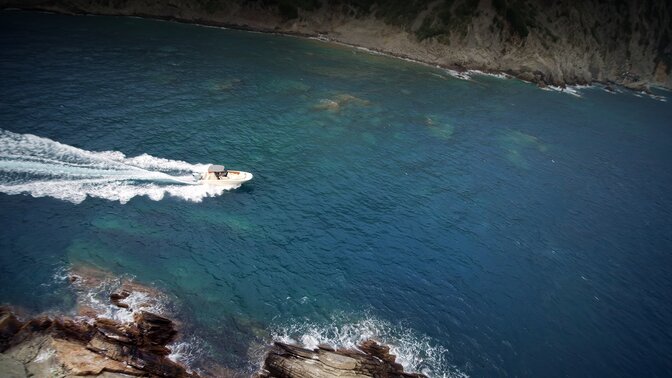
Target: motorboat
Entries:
(218, 175)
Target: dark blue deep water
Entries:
(482, 227)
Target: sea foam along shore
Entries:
(347, 331)
(117, 332)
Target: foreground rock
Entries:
(371, 360)
(65, 347)
(118, 333)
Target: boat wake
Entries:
(42, 167)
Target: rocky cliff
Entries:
(545, 41)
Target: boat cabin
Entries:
(216, 172)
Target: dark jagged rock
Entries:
(9, 326)
(116, 298)
(380, 351)
(69, 329)
(124, 342)
(137, 348)
(121, 333)
(372, 360)
(154, 329)
(84, 348)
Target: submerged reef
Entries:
(123, 338)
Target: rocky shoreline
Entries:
(137, 342)
(371, 360)
(543, 58)
(47, 346)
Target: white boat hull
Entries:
(231, 179)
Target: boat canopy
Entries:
(215, 168)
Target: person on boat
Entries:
(218, 170)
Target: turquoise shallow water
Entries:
(482, 227)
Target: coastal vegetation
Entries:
(547, 42)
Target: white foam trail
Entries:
(416, 353)
(42, 167)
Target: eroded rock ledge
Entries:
(371, 360)
(64, 347)
(119, 335)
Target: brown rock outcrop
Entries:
(371, 360)
(9, 326)
(74, 347)
(117, 298)
(137, 344)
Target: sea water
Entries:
(478, 225)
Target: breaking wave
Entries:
(93, 287)
(187, 351)
(415, 352)
(42, 167)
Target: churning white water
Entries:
(42, 167)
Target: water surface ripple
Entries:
(482, 227)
